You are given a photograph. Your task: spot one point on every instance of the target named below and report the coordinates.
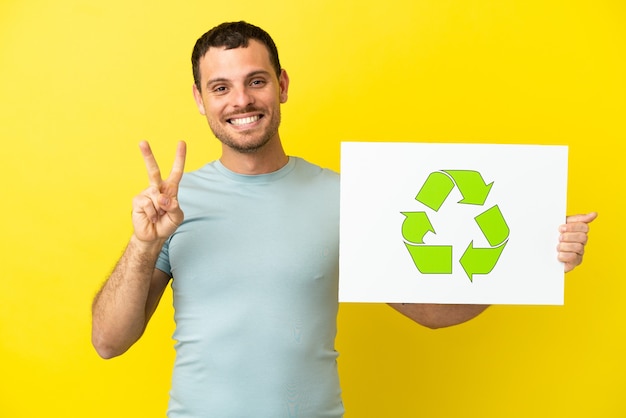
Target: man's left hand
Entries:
(573, 238)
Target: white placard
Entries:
(451, 223)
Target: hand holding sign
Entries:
(573, 239)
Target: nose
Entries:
(243, 97)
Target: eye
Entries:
(219, 89)
(257, 82)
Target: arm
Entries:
(127, 300)
(435, 316)
(123, 306)
(571, 247)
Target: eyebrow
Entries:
(249, 75)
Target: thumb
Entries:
(170, 206)
(586, 218)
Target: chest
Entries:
(256, 242)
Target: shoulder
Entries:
(199, 176)
(304, 167)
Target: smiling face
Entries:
(241, 97)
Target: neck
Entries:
(265, 160)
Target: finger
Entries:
(586, 218)
(578, 227)
(179, 164)
(578, 223)
(154, 174)
(568, 257)
(574, 237)
(571, 247)
(143, 204)
(167, 203)
(570, 261)
(172, 209)
(567, 267)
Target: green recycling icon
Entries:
(437, 259)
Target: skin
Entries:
(236, 84)
(123, 307)
(573, 239)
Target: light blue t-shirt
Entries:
(255, 270)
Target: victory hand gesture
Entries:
(156, 213)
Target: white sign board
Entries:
(451, 223)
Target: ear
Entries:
(283, 83)
(198, 98)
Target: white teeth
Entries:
(243, 121)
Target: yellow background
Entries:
(82, 82)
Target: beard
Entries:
(247, 142)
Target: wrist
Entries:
(146, 247)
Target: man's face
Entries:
(241, 96)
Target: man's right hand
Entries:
(156, 213)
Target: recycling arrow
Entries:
(431, 259)
(483, 260)
(428, 259)
(480, 260)
(471, 185)
(439, 184)
(435, 190)
(438, 259)
(494, 227)
(415, 226)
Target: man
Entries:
(254, 259)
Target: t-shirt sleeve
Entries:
(163, 262)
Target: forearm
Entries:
(120, 309)
(438, 315)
